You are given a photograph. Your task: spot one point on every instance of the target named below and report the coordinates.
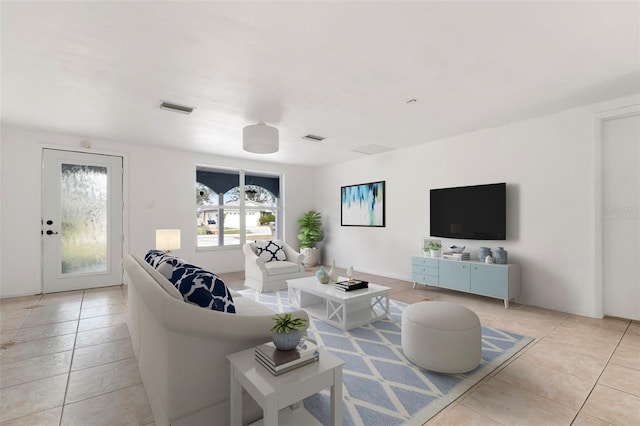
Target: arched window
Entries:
(230, 213)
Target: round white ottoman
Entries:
(441, 336)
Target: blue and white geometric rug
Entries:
(380, 386)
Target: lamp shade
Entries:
(167, 239)
(260, 139)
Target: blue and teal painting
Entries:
(363, 205)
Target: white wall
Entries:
(159, 193)
(548, 164)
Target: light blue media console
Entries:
(493, 280)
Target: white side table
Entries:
(274, 393)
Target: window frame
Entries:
(242, 208)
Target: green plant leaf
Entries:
(285, 323)
(310, 229)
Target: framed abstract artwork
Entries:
(363, 204)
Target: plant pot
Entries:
(436, 253)
(287, 341)
(311, 256)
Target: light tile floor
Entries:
(66, 359)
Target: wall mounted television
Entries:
(469, 212)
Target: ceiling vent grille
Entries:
(176, 108)
(314, 138)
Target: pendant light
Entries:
(260, 139)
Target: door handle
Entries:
(50, 232)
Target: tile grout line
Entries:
(31, 309)
(73, 353)
(579, 410)
(595, 383)
(15, 332)
(495, 373)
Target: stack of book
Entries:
(351, 285)
(278, 362)
(456, 256)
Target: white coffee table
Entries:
(274, 393)
(345, 310)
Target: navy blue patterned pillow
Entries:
(202, 288)
(163, 262)
(153, 257)
(166, 264)
(270, 250)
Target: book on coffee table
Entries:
(351, 285)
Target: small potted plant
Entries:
(287, 331)
(435, 248)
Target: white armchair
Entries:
(271, 276)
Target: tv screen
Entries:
(469, 212)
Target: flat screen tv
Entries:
(469, 212)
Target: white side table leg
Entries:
(235, 396)
(336, 398)
(270, 411)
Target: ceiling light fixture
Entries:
(260, 139)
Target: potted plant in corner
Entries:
(287, 331)
(310, 233)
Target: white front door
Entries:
(81, 220)
(621, 232)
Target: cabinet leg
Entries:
(506, 303)
(414, 284)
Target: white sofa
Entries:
(271, 276)
(181, 348)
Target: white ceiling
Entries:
(342, 70)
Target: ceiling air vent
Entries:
(176, 108)
(314, 138)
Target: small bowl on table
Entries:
(456, 249)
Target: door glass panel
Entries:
(83, 219)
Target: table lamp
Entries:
(167, 239)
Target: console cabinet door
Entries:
(455, 275)
(490, 280)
